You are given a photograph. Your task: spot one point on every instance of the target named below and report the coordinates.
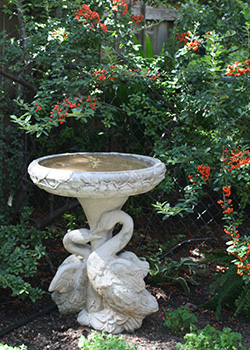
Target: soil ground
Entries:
(54, 331)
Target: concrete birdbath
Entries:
(99, 282)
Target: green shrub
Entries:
(229, 291)
(12, 189)
(180, 320)
(7, 347)
(210, 338)
(21, 249)
(168, 271)
(97, 341)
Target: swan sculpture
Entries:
(70, 282)
(118, 280)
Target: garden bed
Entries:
(54, 331)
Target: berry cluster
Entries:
(240, 248)
(238, 68)
(38, 108)
(226, 205)
(61, 111)
(235, 159)
(204, 171)
(182, 37)
(93, 104)
(119, 4)
(86, 14)
(194, 45)
(155, 76)
(137, 19)
(103, 74)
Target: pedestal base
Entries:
(105, 286)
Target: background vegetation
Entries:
(75, 79)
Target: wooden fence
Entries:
(158, 21)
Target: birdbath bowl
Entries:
(99, 282)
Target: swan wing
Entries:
(69, 285)
(129, 302)
(64, 278)
(143, 265)
(128, 274)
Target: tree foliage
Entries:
(80, 72)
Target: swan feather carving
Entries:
(69, 283)
(118, 279)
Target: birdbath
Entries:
(99, 281)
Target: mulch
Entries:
(40, 326)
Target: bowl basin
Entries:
(96, 175)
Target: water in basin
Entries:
(99, 163)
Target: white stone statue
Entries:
(118, 279)
(100, 282)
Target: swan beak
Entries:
(96, 234)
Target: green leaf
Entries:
(138, 46)
(149, 47)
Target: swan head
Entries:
(109, 219)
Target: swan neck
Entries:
(74, 248)
(120, 240)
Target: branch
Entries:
(58, 212)
(18, 80)
(21, 23)
(169, 105)
(163, 255)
